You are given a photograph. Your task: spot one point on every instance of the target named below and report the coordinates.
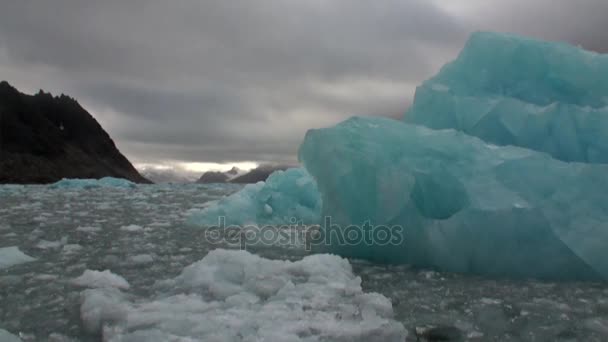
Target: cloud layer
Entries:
(224, 81)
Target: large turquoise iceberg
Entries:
(463, 205)
(510, 90)
(499, 168)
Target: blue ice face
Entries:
(509, 90)
(463, 205)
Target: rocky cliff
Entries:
(45, 138)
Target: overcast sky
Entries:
(222, 81)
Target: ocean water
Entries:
(141, 236)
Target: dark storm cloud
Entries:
(165, 104)
(242, 80)
(577, 22)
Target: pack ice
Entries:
(510, 90)
(238, 296)
(106, 182)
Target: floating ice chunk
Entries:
(237, 296)
(56, 337)
(71, 248)
(44, 244)
(285, 195)
(132, 228)
(102, 306)
(5, 336)
(510, 90)
(11, 256)
(105, 182)
(45, 277)
(88, 229)
(141, 259)
(97, 279)
(457, 203)
(597, 324)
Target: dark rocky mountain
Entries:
(233, 172)
(218, 176)
(259, 174)
(236, 176)
(45, 138)
(213, 177)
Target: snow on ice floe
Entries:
(101, 279)
(238, 296)
(11, 256)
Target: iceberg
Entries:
(510, 90)
(99, 279)
(284, 197)
(238, 296)
(106, 182)
(11, 256)
(5, 336)
(10, 189)
(459, 203)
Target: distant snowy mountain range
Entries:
(168, 175)
(234, 175)
(237, 176)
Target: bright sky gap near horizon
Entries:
(209, 84)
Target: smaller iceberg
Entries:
(11, 256)
(101, 279)
(5, 336)
(106, 182)
(10, 189)
(284, 197)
